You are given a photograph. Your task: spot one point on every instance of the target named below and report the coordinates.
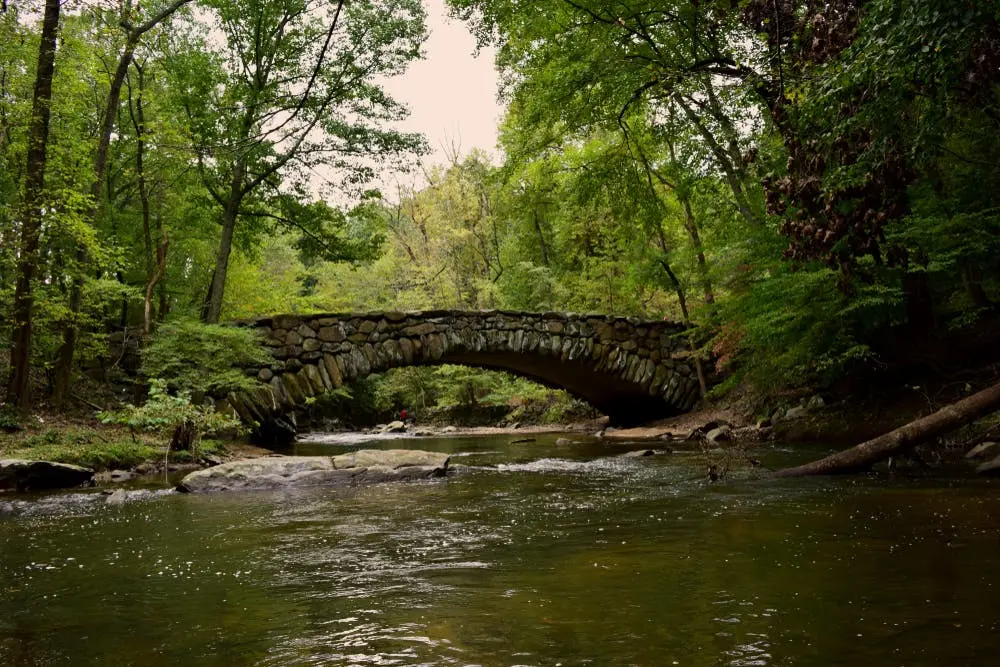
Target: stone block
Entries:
(286, 322)
(292, 388)
(333, 370)
(280, 392)
(435, 346)
(315, 379)
(406, 350)
(420, 329)
(331, 334)
(305, 385)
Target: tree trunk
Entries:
(213, 303)
(692, 229)
(137, 115)
(691, 226)
(919, 303)
(183, 437)
(157, 276)
(541, 239)
(20, 355)
(155, 268)
(679, 290)
(943, 421)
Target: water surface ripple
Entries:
(533, 554)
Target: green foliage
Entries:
(84, 447)
(9, 420)
(188, 356)
(423, 391)
(355, 405)
(795, 328)
(176, 414)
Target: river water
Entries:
(534, 554)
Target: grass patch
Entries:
(85, 447)
(105, 449)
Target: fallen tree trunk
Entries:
(860, 457)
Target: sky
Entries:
(452, 95)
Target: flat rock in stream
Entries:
(360, 468)
(641, 453)
(26, 475)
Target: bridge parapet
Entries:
(630, 369)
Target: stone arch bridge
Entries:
(628, 369)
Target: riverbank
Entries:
(117, 454)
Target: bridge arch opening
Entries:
(454, 394)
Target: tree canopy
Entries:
(803, 182)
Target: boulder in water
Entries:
(983, 450)
(395, 427)
(25, 475)
(363, 467)
(990, 468)
(723, 433)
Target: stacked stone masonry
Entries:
(629, 369)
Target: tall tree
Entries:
(31, 209)
(302, 96)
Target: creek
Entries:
(529, 554)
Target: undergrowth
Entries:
(100, 450)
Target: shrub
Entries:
(175, 414)
(199, 359)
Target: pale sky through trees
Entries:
(452, 95)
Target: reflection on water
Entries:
(535, 554)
